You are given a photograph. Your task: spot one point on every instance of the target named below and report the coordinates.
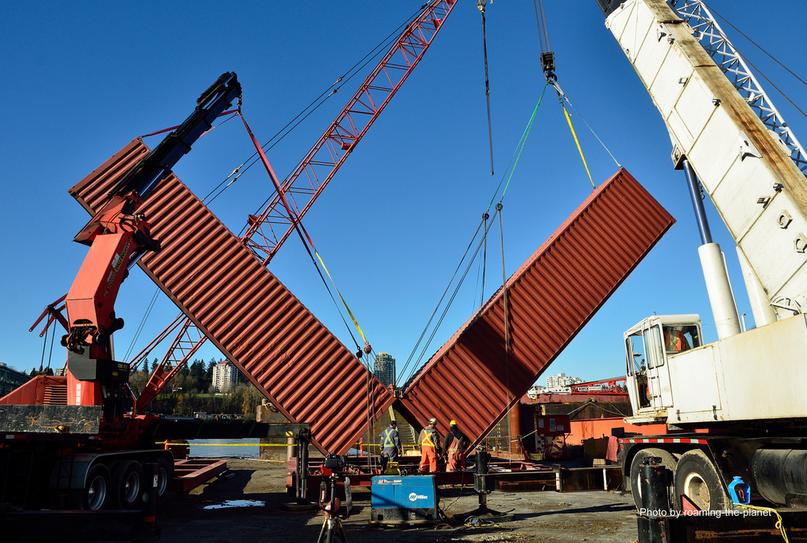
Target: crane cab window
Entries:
(636, 354)
(680, 337)
(645, 350)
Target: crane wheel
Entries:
(95, 494)
(127, 482)
(697, 479)
(667, 460)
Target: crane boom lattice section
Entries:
(718, 46)
(268, 230)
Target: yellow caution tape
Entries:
(224, 444)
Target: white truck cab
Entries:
(648, 346)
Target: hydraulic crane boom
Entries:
(745, 167)
(118, 236)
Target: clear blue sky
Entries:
(83, 79)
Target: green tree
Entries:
(138, 380)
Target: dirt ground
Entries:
(545, 516)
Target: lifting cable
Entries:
(482, 267)
(548, 67)
(511, 167)
(482, 243)
(514, 163)
(788, 70)
(481, 5)
(448, 305)
(50, 354)
(143, 321)
(574, 136)
(563, 98)
(506, 319)
(315, 104)
(301, 231)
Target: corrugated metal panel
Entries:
(549, 299)
(246, 311)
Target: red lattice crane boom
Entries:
(268, 230)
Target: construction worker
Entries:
(455, 444)
(429, 447)
(674, 340)
(390, 444)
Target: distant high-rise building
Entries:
(561, 380)
(10, 379)
(225, 376)
(385, 368)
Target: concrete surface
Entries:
(545, 516)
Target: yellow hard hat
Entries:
(452, 423)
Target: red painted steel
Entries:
(247, 312)
(617, 385)
(550, 298)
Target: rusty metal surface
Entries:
(549, 299)
(50, 419)
(246, 311)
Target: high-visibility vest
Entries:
(386, 438)
(455, 445)
(427, 436)
(675, 340)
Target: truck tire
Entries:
(127, 483)
(667, 460)
(165, 472)
(697, 479)
(95, 494)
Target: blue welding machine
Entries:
(404, 498)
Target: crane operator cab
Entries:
(650, 347)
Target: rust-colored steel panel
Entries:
(472, 378)
(246, 311)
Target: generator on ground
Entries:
(404, 498)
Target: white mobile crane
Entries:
(737, 406)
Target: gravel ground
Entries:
(545, 516)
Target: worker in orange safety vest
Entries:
(455, 444)
(675, 340)
(429, 447)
